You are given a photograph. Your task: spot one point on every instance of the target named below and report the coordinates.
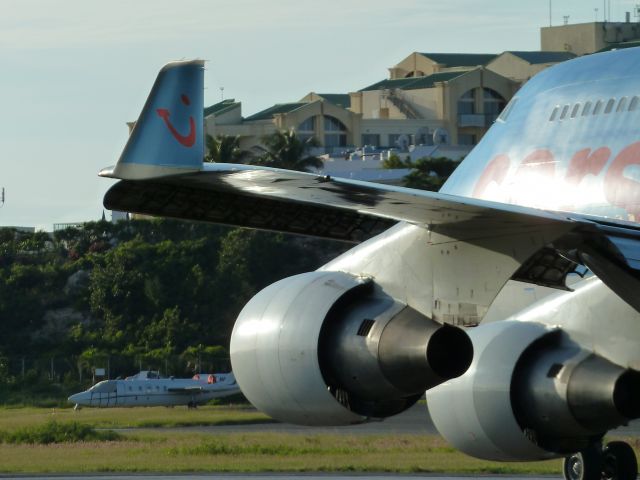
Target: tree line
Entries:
(147, 290)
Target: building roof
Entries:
(339, 99)
(620, 45)
(221, 107)
(413, 83)
(268, 113)
(460, 59)
(534, 58)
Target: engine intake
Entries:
(329, 348)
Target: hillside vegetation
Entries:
(157, 294)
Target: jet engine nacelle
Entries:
(531, 394)
(329, 348)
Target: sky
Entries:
(72, 73)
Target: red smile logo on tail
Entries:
(185, 140)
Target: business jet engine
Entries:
(330, 348)
(532, 393)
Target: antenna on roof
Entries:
(566, 19)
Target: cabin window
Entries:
(565, 110)
(609, 106)
(622, 104)
(554, 114)
(140, 388)
(598, 108)
(633, 104)
(129, 388)
(586, 110)
(574, 111)
(157, 388)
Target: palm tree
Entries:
(430, 173)
(284, 149)
(225, 149)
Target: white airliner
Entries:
(553, 188)
(149, 389)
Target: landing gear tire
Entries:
(619, 462)
(585, 465)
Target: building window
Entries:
(307, 129)
(309, 125)
(372, 139)
(467, 139)
(494, 103)
(467, 103)
(334, 132)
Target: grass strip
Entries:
(255, 452)
(54, 432)
(152, 417)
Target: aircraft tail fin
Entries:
(168, 137)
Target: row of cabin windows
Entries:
(149, 389)
(589, 108)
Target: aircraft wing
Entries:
(322, 206)
(352, 211)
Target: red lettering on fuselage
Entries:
(620, 190)
(538, 162)
(585, 163)
(495, 171)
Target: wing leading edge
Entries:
(303, 203)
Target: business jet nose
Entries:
(78, 398)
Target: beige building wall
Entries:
(584, 38)
(415, 65)
(515, 68)
(228, 118)
(376, 103)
